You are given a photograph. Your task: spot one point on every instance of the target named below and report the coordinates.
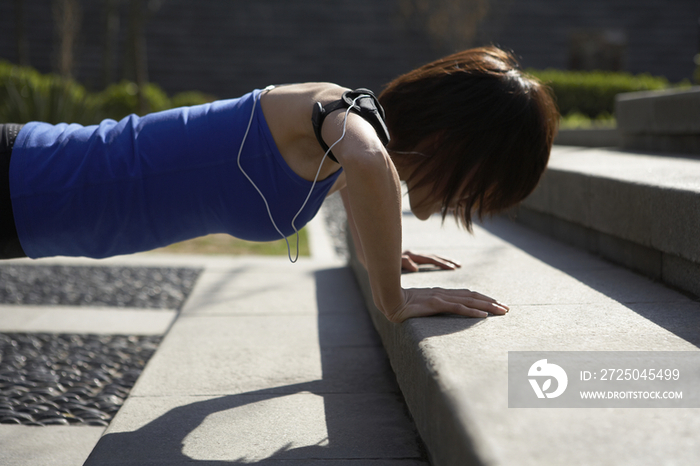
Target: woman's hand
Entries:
(411, 261)
(422, 302)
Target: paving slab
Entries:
(47, 446)
(281, 289)
(453, 371)
(71, 319)
(258, 427)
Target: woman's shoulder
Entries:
(288, 107)
(303, 93)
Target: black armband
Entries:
(367, 106)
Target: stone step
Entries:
(621, 213)
(639, 210)
(454, 372)
(660, 121)
(665, 121)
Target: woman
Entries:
(470, 134)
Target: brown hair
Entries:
(486, 127)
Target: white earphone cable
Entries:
(313, 184)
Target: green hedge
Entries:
(27, 95)
(592, 93)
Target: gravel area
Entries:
(70, 379)
(62, 379)
(140, 287)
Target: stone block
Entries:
(660, 121)
(567, 193)
(677, 221)
(571, 233)
(642, 259)
(70, 319)
(46, 446)
(637, 207)
(681, 273)
(621, 209)
(453, 371)
(237, 355)
(670, 112)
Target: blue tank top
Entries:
(146, 182)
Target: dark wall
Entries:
(660, 37)
(233, 46)
(227, 47)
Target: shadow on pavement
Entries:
(365, 415)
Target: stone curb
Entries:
(453, 372)
(448, 435)
(638, 210)
(660, 121)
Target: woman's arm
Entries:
(359, 252)
(373, 199)
(410, 261)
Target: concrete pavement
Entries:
(267, 363)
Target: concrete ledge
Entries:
(453, 372)
(641, 211)
(442, 427)
(659, 112)
(664, 121)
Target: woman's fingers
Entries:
(430, 301)
(412, 260)
(474, 302)
(463, 310)
(408, 264)
(476, 295)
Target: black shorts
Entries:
(9, 241)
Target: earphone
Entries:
(313, 184)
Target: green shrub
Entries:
(592, 93)
(190, 98)
(576, 120)
(120, 100)
(27, 95)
